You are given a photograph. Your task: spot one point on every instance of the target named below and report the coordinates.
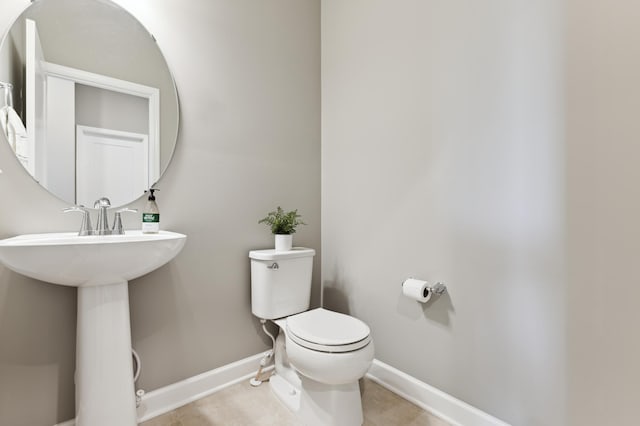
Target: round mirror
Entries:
(87, 101)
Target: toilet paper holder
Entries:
(439, 288)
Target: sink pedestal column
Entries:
(105, 393)
(100, 266)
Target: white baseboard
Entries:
(427, 397)
(168, 398)
(448, 408)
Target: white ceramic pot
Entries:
(284, 242)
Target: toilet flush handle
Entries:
(274, 265)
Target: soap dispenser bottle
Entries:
(151, 215)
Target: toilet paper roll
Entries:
(417, 290)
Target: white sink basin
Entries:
(100, 266)
(67, 259)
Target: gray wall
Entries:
(603, 176)
(493, 146)
(443, 159)
(248, 76)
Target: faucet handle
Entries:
(85, 226)
(117, 221)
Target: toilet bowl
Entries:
(323, 356)
(320, 355)
(328, 347)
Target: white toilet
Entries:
(319, 354)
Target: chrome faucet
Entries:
(102, 227)
(85, 226)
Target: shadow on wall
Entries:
(34, 352)
(159, 315)
(438, 309)
(335, 296)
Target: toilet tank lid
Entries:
(271, 254)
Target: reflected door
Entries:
(114, 154)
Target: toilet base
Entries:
(288, 394)
(330, 405)
(315, 403)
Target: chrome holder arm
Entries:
(439, 288)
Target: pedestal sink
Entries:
(100, 266)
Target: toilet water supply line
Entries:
(138, 365)
(258, 379)
(136, 375)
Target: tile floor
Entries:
(244, 405)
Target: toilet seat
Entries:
(327, 331)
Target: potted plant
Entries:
(283, 225)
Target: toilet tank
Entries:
(280, 282)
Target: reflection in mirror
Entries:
(89, 106)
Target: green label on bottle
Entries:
(151, 217)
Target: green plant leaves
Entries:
(282, 222)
